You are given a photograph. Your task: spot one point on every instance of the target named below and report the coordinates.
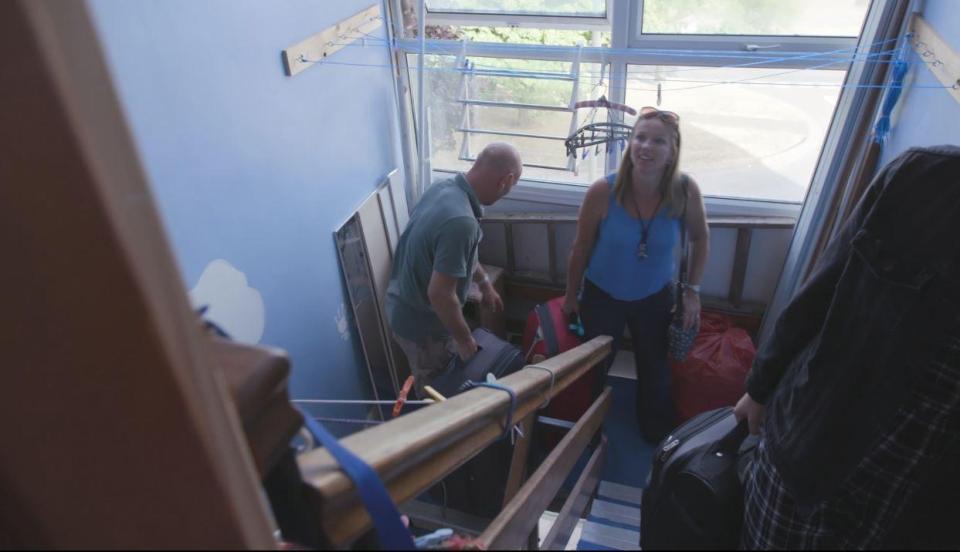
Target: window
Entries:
(747, 133)
(756, 17)
(569, 8)
(525, 102)
(756, 83)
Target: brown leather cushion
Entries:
(257, 378)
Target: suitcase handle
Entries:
(730, 443)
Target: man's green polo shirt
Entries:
(443, 235)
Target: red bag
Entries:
(715, 371)
(548, 334)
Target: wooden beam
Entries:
(576, 504)
(511, 254)
(310, 51)
(518, 463)
(714, 222)
(937, 54)
(118, 432)
(552, 252)
(434, 516)
(412, 452)
(510, 529)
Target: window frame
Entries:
(514, 19)
(628, 47)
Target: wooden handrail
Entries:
(576, 503)
(510, 529)
(412, 452)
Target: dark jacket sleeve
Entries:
(801, 320)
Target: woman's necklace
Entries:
(644, 226)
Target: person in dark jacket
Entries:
(857, 391)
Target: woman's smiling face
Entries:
(652, 145)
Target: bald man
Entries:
(436, 259)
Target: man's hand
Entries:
(467, 349)
(570, 305)
(491, 299)
(752, 411)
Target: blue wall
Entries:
(249, 165)
(927, 116)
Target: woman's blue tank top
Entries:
(614, 266)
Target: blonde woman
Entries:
(625, 257)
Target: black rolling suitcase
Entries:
(477, 487)
(494, 356)
(694, 498)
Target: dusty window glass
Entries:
(747, 132)
(582, 8)
(843, 18)
(524, 102)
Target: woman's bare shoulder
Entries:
(693, 189)
(598, 192)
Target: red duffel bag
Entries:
(547, 334)
(714, 372)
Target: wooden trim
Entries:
(576, 504)
(433, 516)
(511, 255)
(713, 222)
(740, 257)
(518, 463)
(313, 50)
(510, 529)
(937, 55)
(552, 252)
(412, 452)
(104, 358)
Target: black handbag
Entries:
(680, 340)
(694, 497)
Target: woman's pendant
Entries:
(642, 250)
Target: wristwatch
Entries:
(694, 287)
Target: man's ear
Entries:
(505, 182)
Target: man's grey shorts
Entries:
(428, 358)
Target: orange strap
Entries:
(402, 398)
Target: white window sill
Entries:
(571, 195)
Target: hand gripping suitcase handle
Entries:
(730, 443)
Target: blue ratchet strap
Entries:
(899, 70)
(386, 518)
(513, 403)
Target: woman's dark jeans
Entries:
(647, 319)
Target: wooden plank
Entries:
(575, 506)
(740, 257)
(938, 56)
(518, 463)
(552, 251)
(434, 516)
(509, 530)
(118, 432)
(308, 52)
(389, 219)
(511, 253)
(398, 193)
(412, 452)
(751, 222)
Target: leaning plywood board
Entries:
(363, 303)
(399, 194)
(389, 219)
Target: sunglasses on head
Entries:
(667, 116)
